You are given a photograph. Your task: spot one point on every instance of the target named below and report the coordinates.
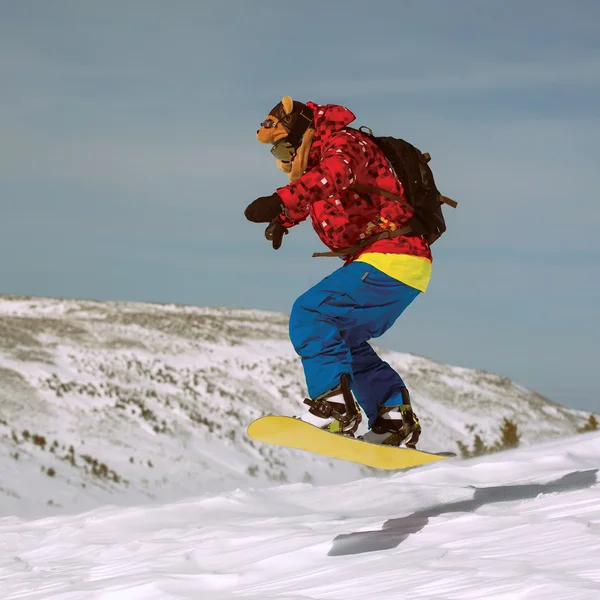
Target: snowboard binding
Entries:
(392, 431)
(346, 415)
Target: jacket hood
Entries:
(329, 118)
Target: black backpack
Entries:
(411, 168)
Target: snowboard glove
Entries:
(264, 209)
(275, 232)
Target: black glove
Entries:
(274, 233)
(265, 209)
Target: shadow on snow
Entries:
(395, 531)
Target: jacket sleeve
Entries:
(335, 172)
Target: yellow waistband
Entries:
(411, 270)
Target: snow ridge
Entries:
(519, 525)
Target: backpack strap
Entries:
(385, 235)
(448, 201)
(370, 189)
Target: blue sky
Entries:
(128, 155)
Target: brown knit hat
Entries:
(289, 112)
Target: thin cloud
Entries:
(476, 76)
(122, 160)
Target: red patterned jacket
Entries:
(338, 160)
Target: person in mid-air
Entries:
(329, 166)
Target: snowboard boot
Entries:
(395, 425)
(341, 415)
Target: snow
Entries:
(146, 486)
(518, 525)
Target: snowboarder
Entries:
(331, 324)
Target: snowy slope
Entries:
(519, 525)
(129, 402)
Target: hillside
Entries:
(121, 403)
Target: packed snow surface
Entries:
(519, 525)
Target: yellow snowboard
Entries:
(294, 433)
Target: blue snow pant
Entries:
(331, 323)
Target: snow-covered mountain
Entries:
(122, 403)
